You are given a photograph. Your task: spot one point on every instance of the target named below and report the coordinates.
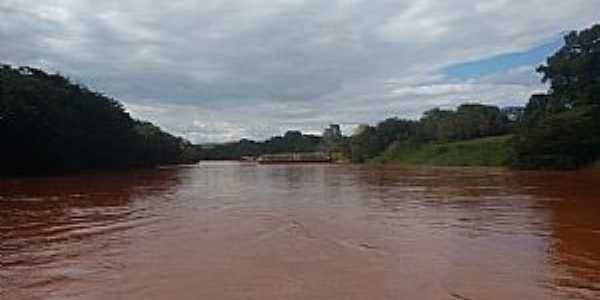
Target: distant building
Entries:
(333, 132)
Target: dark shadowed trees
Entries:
(574, 71)
(469, 121)
(49, 125)
(365, 145)
(562, 129)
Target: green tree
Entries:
(365, 145)
(574, 71)
(562, 129)
(49, 125)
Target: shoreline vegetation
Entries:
(49, 125)
(482, 152)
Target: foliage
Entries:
(292, 141)
(565, 140)
(490, 151)
(48, 124)
(574, 71)
(469, 121)
(365, 145)
(562, 129)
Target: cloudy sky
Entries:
(221, 70)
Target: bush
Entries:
(565, 140)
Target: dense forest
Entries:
(469, 121)
(558, 130)
(50, 125)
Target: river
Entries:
(247, 231)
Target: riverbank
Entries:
(489, 151)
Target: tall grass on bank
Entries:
(489, 151)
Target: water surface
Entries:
(245, 231)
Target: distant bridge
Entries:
(294, 157)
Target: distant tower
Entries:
(333, 132)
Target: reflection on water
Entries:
(50, 227)
(245, 231)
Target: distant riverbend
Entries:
(227, 230)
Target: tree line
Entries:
(49, 125)
(468, 121)
(291, 141)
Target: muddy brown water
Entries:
(246, 231)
